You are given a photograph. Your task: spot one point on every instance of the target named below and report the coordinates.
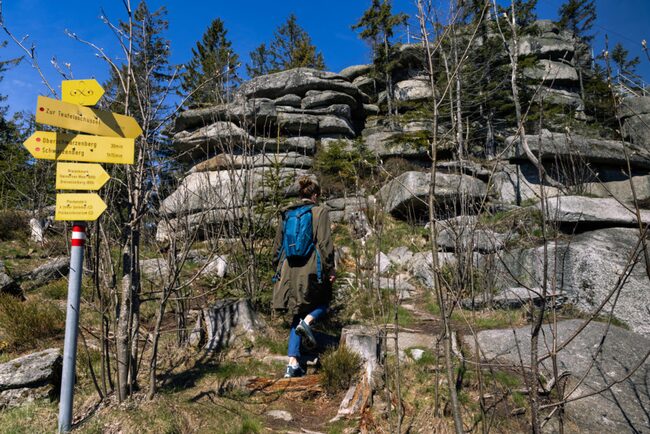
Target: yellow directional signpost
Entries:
(112, 142)
(77, 176)
(85, 119)
(79, 206)
(83, 92)
(46, 145)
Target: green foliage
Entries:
(291, 47)
(150, 68)
(211, 71)
(341, 166)
(248, 426)
(25, 323)
(578, 16)
(13, 225)
(377, 26)
(339, 368)
(620, 56)
(524, 11)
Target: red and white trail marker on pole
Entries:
(71, 325)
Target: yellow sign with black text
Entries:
(46, 145)
(80, 176)
(78, 206)
(85, 119)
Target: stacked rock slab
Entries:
(256, 147)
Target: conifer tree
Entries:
(578, 16)
(377, 25)
(625, 65)
(291, 47)
(150, 69)
(211, 73)
(260, 63)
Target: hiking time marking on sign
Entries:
(80, 176)
(85, 119)
(82, 92)
(46, 145)
(78, 206)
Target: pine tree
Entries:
(211, 73)
(524, 11)
(625, 65)
(578, 16)
(260, 62)
(291, 47)
(150, 69)
(377, 25)
(17, 168)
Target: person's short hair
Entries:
(308, 187)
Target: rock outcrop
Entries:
(30, 377)
(593, 268)
(607, 368)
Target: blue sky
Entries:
(249, 23)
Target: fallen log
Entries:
(308, 383)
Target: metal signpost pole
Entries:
(71, 326)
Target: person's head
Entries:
(308, 188)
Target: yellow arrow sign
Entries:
(76, 176)
(45, 145)
(85, 119)
(82, 92)
(78, 206)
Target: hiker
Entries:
(304, 264)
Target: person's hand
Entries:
(332, 278)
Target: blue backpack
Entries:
(298, 238)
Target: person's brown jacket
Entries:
(298, 290)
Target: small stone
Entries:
(280, 415)
(416, 354)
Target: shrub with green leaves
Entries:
(341, 166)
(24, 323)
(339, 367)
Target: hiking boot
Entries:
(294, 371)
(304, 331)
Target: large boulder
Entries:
(354, 71)
(298, 123)
(592, 212)
(316, 99)
(552, 71)
(576, 148)
(230, 161)
(413, 90)
(30, 377)
(635, 115)
(407, 195)
(296, 81)
(300, 144)
(201, 191)
(469, 238)
(216, 223)
(587, 269)
(7, 284)
(217, 137)
(559, 97)
(552, 46)
(606, 366)
(508, 177)
(51, 270)
(229, 321)
(258, 111)
(395, 144)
